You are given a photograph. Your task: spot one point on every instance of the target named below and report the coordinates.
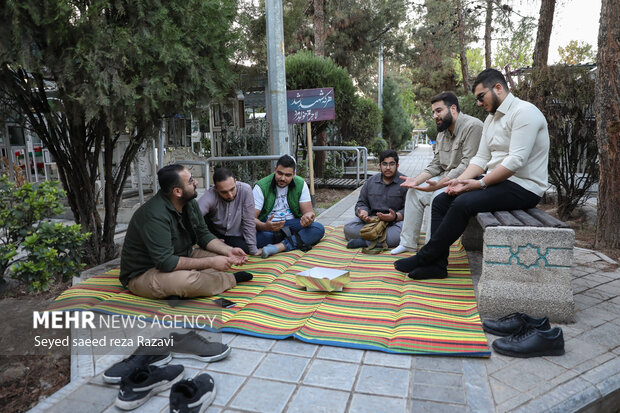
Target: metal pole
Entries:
(310, 163)
(154, 167)
(380, 97)
(276, 78)
(160, 145)
(139, 174)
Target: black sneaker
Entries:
(513, 323)
(144, 382)
(531, 342)
(139, 358)
(194, 346)
(192, 395)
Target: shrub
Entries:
(565, 95)
(378, 146)
(37, 252)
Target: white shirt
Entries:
(517, 138)
(281, 211)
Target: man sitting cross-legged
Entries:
(282, 202)
(381, 196)
(228, 207)
(457, 142)
(158, 259)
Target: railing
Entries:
(206, 169)
(357, 149)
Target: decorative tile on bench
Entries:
(527, 269)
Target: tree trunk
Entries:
(545, 23)
(607, 107)
(463, 53)
(319, 27)
(488, 28)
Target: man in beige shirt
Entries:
(457, 142)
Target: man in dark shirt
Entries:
(158, 259)
(381, 196)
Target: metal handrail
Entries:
(234, 159)
(357, 149)
(204, 165)
(206, 170)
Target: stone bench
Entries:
(527, 256)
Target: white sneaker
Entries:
(401, 248)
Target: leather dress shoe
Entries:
(530, 342)
(512, 323)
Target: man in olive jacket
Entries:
(159, 259)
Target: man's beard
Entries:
(445, 123)
(496, 103)
(188, 196)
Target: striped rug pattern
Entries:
(379, 309)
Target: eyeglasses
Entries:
(390, 164)
(480, 96)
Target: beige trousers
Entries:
(415, 203)
(184, 283)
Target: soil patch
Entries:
(585, 232)
(326, 197)
(26, 379)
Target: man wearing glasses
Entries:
(457, 142)
(381, 196)
(514, 150)
(158, 259)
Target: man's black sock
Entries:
(407, 264)
(242, 276)
(429, 272)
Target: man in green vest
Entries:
(283, 211)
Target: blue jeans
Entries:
(310, 235)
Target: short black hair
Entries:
(221, 174)
(489, 78)
(169, 178)
(389, 153)
(286, 161)
(448, 98)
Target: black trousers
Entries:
(228, 240)
(450, 215)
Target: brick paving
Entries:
(264, 375)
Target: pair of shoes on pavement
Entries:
(189, 345)
(525, 336)
(186, 396)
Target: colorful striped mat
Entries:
(380, 309)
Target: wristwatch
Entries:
(483, 185)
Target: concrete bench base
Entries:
(526, 269)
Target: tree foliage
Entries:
(576, 52)
(566, 97)
(396, 124)
(365, 122)
(85, 73)
(516, 51)
(353, 32)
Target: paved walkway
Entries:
(290, 376)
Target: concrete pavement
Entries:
(264, 375)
